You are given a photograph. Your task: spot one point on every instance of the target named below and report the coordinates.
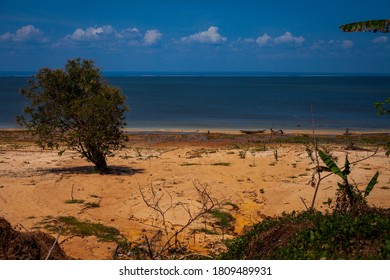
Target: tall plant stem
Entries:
(316, 157)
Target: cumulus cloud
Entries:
(263, 40)
(107, 33)
(286, 38)
(151, 37)
(210, 36)
(93, 33)
(289, 38)
(28, 33)
(380, 40)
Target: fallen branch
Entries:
(55, 241)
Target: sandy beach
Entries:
(252, 177)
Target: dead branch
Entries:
(55, 241)
(206, 204)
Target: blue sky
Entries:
(188, 36)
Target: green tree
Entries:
(381, 25)
(74, 108)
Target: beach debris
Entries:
(276, 132)
(252, 131)
(352, 147)
(347, 132)
(29, 245)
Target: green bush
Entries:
(314, 235)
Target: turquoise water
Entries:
(236, 102)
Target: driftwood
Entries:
(352, 147)
(276, 132)
(252, 131)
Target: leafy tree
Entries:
(382, 25)
(74, 108)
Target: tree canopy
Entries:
(382, 25)
(74, 108)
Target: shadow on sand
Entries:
(114, 170)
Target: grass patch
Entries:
(223, 219)
(259, 149)
(198, 153)
(72, 226)
(189, 164)
(205, 231)
(233, 205)
(92, 204)
(242, 154)
(221, 164)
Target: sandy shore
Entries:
(250, 178)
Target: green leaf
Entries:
(331, 165)
(371, 184)
(347, 168)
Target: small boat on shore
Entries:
(252, 131)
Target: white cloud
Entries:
(263, 40)
(152, 36)
(211, 36)
(93, 33)
(288, 38)
(107, 33)
(28, 33)
(379, 40)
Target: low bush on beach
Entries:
(74, 227)
(315, 235)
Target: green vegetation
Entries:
(348, 195)
(223, 219)
(74, 108)
(189, 164)
(382, 25)
(72, 226)
(242, 154)
(92, 204)
(314, 235)
(221, 164)
(198, 153)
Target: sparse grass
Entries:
(233, 205)
(259, 149)
(205, 231)
(221, 164)
(223, 219)
(198, 153)
(189, 164)
(72, 226)
(92, 204)
(242, 154)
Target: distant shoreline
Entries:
(209, 74)
(229, 131)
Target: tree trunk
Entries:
(98, 158)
